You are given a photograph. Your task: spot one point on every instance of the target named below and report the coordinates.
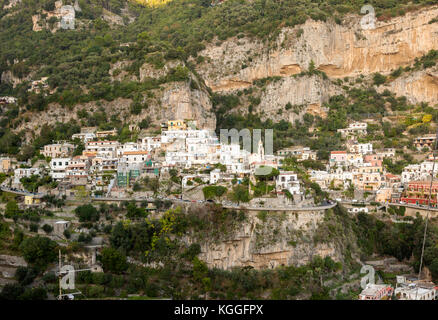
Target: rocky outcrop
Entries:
(338, 50)
(56, 113)
(8, 267)
(11, 4)
(280, 239)
(8, 77)
(175, 100)
(40, 23)
(112, 18)
(179, 101)
(304, 93)
(418, 86)
(117, 71)
(149, 71)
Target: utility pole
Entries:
(60, 276)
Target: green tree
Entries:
(240, 194)
(113, 260)
(12, 209)
(87, 213)
(39, 251)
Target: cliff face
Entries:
(278, 239)
(306, 94)
(338, 50)
(418, 86)
(179, 101)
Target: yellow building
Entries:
(106, 133)
(5, 165)
(31, 200)
(176, 125)
(384, 195)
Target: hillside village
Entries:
(194, 158)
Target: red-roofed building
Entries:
(338, 158)
(417, 192)
(391, 179)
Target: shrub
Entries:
(113, 260)
(33, 227)
(25, 275)
(379, 79)
(87, 212)
(67, 234)
(39, 251)
(47, 228)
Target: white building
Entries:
(169, 135)
(308, 154)
(58, 150)
(344, 176)
(234, 158)
(58, 167)
(288, 180)
(354, 159)
(387, 153)
(363, 148)
(355, 128)
(320, 177)
(376, 292)
(84, 136)
(418, 172)
(107, 149)
(128, 146)
(410, 173)
(24, 172)
(150, 143)
(131, 157)
(201, 151)
(215, 176)
(415, 291)
(78, 166)
(301, 153)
